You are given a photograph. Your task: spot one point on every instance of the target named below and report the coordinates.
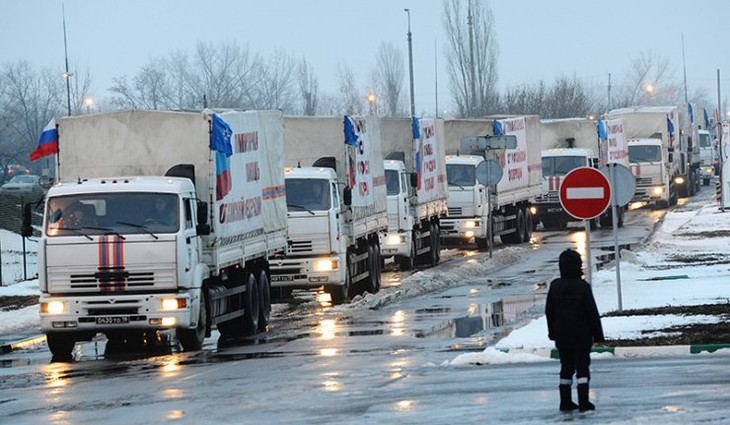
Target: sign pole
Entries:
(589, 266)
(614, 221)
(489, 207)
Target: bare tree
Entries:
(649, 81)
(276, 88)
(351, 102)
(389, 77)
(568, 98)
(308, 87)
(526, 99)
(471, 56)
(149, 89)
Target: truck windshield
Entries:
(460, 174)
(641, 153)
(113, 213)
(391, 182)
(307, 195)
(705, 141)
(561, 165)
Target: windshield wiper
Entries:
(300, 207)
(76, 230)
(456, 184)
(138, 226)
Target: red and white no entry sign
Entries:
(585, 193)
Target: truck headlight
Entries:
(657, 190)
(394, 240)
(679, 180)
(710, 170)
(470, 224)
(53, 307)
(469, 234)
(325, 265)
(533, 210)
(169, 304)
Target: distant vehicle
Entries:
(23, 184)
(17, 169)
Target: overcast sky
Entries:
(538, 39)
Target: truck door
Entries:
(188, 244)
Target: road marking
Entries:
(584, 193)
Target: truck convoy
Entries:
(662, 156)
(161, 221)
(509, 205)
(415, 176)
(336, 206)
(567, 144)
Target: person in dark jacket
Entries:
(574, 324)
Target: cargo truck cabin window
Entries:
(392, 183)
(307, 195)
(705, 141)
(113, 213)
(561, 165)
(650, 153)
(460, 174)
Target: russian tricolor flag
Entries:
(48, 142)
(220, 142)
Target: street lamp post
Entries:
(66, 74)
(410, 62)
(89, 103)
(371, 101)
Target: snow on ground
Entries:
(656, 276)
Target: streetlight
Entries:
(410, 62)
(371, 100)
(649, 88)
(89, 103)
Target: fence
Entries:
(18, 255)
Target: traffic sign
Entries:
(585, 193)
(624, 182)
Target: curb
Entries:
(631, 352)
(8, 347)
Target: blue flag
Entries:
(602, 131)
(350, 133)
(691, 113)
(416, 128)
(220, 139)
(707, 118)
(497, 128)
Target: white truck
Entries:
(566, 145)
(415, 176)
(336, 206)
(510, 199)
(708, 157)
(148, 229)
(661, 157)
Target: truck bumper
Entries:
(651, 193)
(307, 272)
(102, 313)
(463, 228)
(396, 243)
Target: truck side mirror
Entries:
(414, 180)
(202, 228)
(347, 196)
(27, 229)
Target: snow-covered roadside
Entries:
(684, 263)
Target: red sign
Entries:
(585, 193)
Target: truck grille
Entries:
(111, 279)
(548, 198)
(455, 211)
(299, 247)
(643, 181)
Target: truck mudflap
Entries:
(102, 313)
(308, 272)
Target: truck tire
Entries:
(251, 305)
(405, 262)
(264, 300)
(529, 225)
(437, 239)
(339, 294)
(433, 254)
(519, 230)
(192, 339)
(379, 267)
(371, 281)
(482, 243)
(61, 345)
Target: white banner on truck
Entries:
(613, 143)
(725, 167)
(360, 176)
(426, 149)
(513, 161)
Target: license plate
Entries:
(282, 278)
(389, 250)
(112, 320)
(554, 210)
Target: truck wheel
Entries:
(437, 239)
(405, 262)
(371, 280)
(192, 339)
(264, 300)
(620, 217)
(433, 252)
(251, 304)
(379, 267)
(529, 226)
(61, 345)
(482, 243)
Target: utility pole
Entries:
(436, 76)
(684, 71)
(410, 62)
(608, 106)
(472, 67)
(66, 74)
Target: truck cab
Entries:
(316, 247)
(134, 238)
(398, 239)
(468, 212)
(556, 164)
(655, 172)
(708, 157)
